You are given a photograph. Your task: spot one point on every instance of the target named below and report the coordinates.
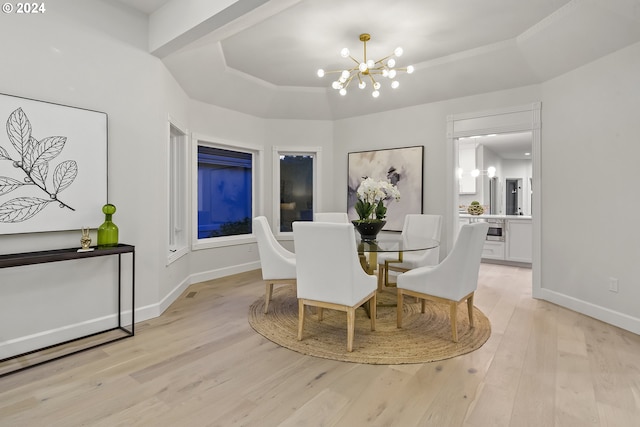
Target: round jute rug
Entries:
(423, 337)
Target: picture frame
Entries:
(403, 166)
(53, 166)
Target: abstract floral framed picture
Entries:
(53, 166)
(403, 167)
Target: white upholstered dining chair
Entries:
(340, 217)
(278, 264)
(452, 281)
(429, 226)
(329, 274)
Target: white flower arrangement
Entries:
(371, 197)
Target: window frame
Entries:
(278, 151)
(256, 193)
(177, 191)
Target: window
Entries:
(178, 167)
(297, 191)
(225, 191)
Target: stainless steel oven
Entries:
(496, 229)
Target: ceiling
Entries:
(260, 56)
(509, 146)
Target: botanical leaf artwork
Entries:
(33, 159)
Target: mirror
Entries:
(502, 176)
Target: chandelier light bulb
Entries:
(366, 69)
(491, 171)
(475, 173)
(460, 171)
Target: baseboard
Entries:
(155, 310)
(49, 337)
(224, 272)
(621, 320)
(54, 336)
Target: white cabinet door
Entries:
(519, 240)
(493, 250)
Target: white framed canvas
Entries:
(402, 166)
(53, 166)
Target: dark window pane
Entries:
(296, 190)
(224, 192)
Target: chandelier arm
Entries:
(379, 61)
(346, 84)
(354, 59)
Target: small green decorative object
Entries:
(475, 208)
(108, 231)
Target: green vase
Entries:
(108, 231)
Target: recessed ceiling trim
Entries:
(162, 41)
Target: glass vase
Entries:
(108, 231)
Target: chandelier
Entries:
(365, 71)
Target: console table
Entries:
(56, 351)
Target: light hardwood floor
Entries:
(201, 364)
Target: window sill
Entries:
(220, 242)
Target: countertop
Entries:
(491, 216)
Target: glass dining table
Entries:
(368, 249)
(368, 252)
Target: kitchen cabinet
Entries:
(493, 250)
(517, 246)
(519, 241)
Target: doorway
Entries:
(513, 196)
(504, 120)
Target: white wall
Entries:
(91, 54)
(590, 200)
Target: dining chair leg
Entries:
(399, 308)
(268, 293)
(300, 318)
(454, 320)
(470, 309)
(320, 313)
(373, 309)
(386, 273)
(351, 326)
(381, 273)
(423, 305)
